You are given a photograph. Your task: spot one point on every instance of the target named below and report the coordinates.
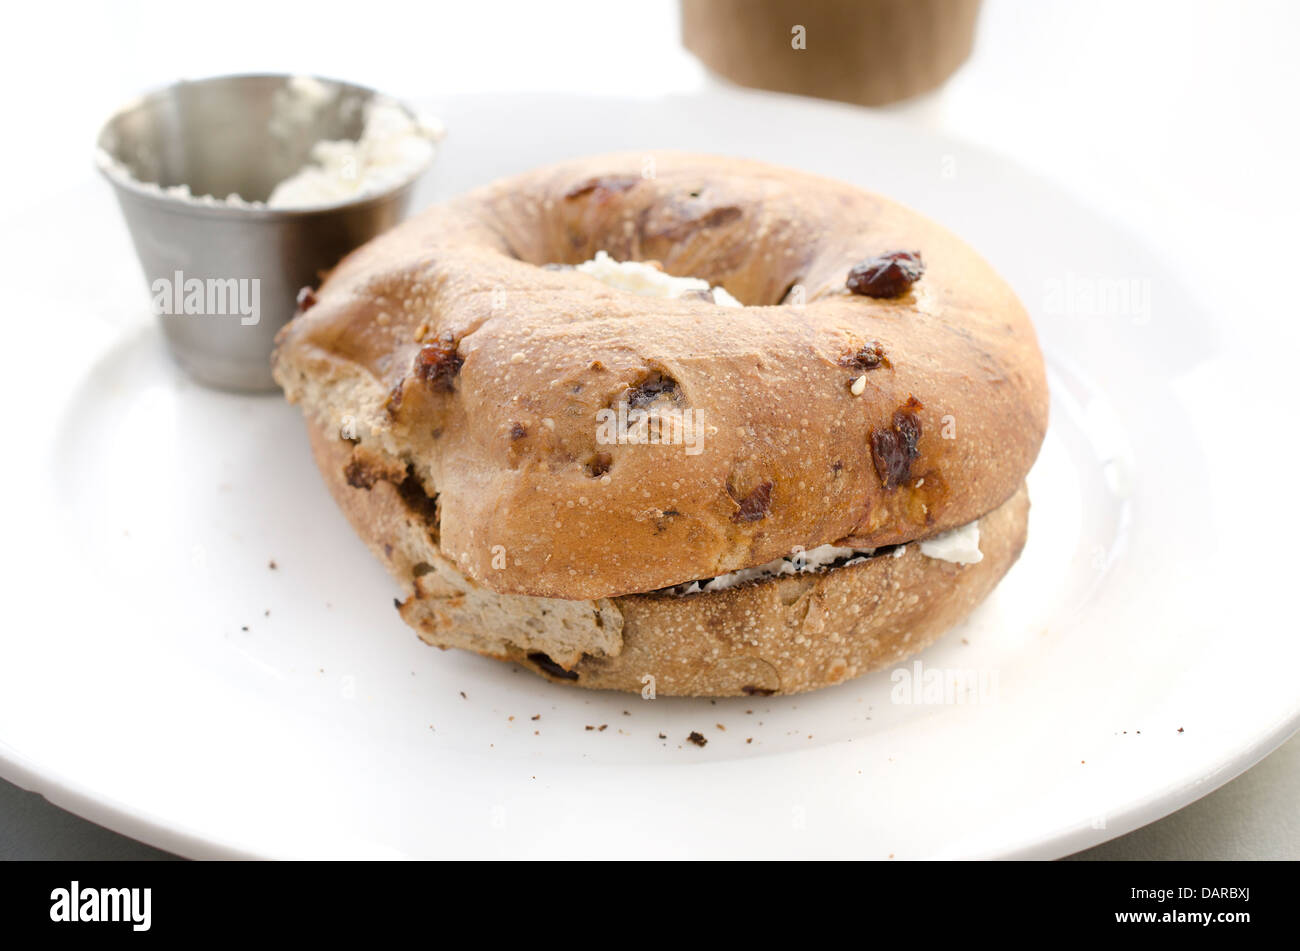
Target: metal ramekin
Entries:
(220, 136)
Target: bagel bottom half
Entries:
(787, 634)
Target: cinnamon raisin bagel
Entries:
(606, 486)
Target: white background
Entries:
(1177, 119)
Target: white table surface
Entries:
(1179, 120)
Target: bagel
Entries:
(457, 371)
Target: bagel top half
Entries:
(462, 369)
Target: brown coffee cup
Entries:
(869, 52)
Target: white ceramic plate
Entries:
(159, 677)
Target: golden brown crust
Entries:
(785, 635)
(496, 418)
(799, 632)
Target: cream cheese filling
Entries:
(959, 546)
(646, 280)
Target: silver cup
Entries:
(222, 136)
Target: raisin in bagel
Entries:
(452, 383)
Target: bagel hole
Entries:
(683, 224)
